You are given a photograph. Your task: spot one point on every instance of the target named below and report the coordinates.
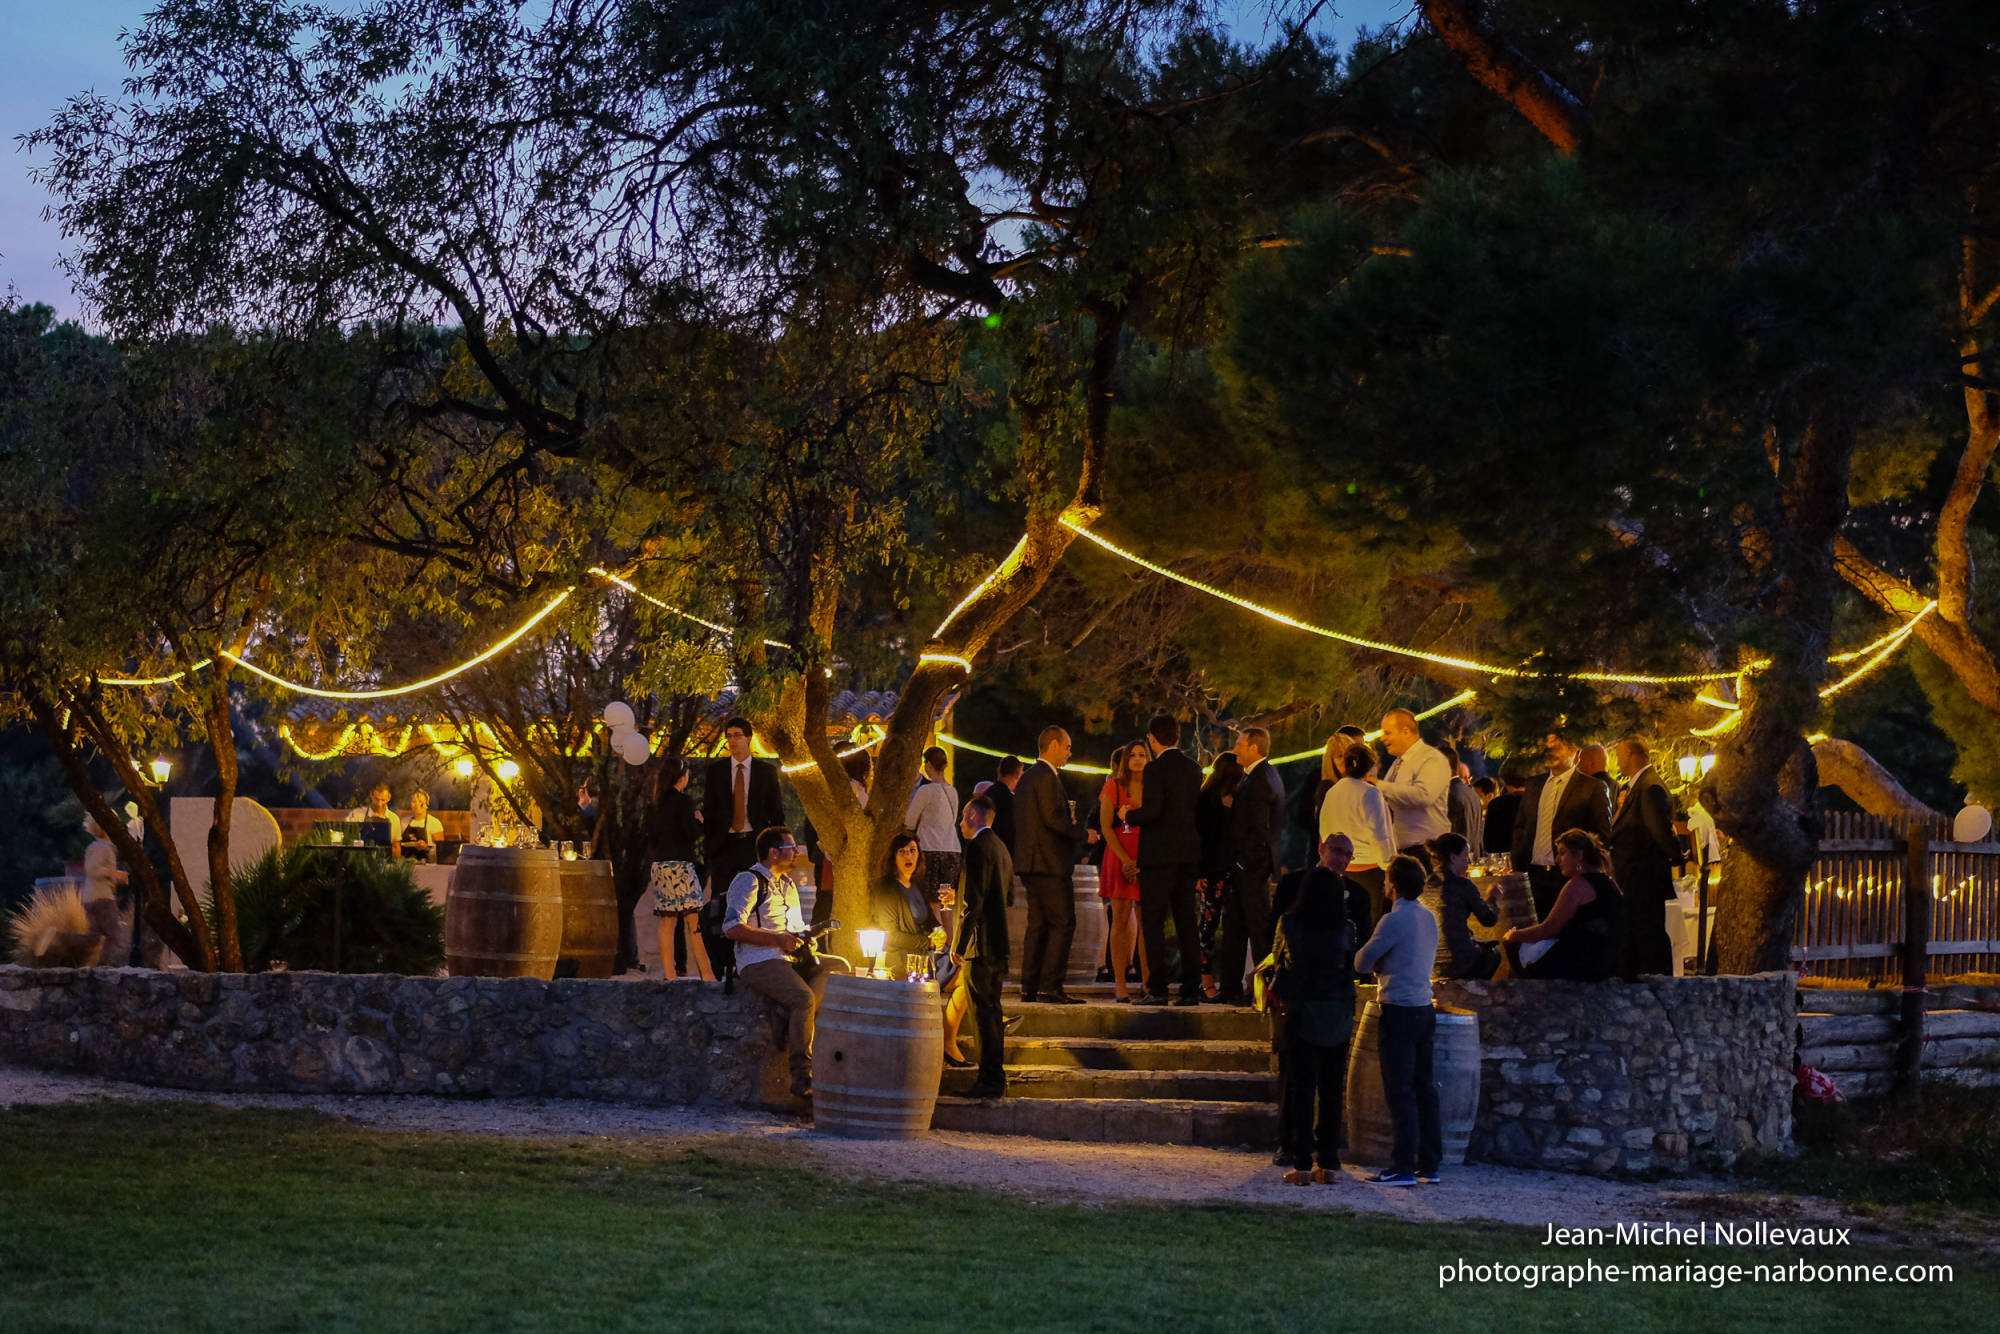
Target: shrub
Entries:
(285, 903)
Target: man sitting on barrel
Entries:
(765, 922)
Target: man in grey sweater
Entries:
(1401, 954)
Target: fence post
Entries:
(1916, 958)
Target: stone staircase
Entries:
(1120, 1073)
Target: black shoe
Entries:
(1150, 999)
(1188, 1002)
(959, 1063)
(1104, 973)
(987, 1091)
(1029, 998)
(1060, 998)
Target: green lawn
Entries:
(172, 1216)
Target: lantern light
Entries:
(163, 769)
(1707, 762)
(463, 766)
(1690, 766)
(508, 770)
(872, 943)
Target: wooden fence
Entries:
(1858, 911)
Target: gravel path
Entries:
(1038, 1169)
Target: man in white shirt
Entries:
(1554, 803)
(1417, 787)
(765, 922)
(377, 809)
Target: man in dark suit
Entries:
(1169, 860)
(1046, 840)
(1556, 801)
(981, 949)
(739, 797)
(1256, 821)
(1006, 777)
(1645, 853)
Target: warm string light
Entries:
(1376, 645)
(637, 591)
(949, 659)
(1889, 645)
(150, 680)
(1463, 697)
(1000, 571)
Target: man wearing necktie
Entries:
(1555, 802)
(740, 796)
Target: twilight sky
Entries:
(53, 51)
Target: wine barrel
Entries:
(1086, 949)
(589, 918)
(878, 1055)
(503, 916)
(1371, 1136)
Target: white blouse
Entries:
(1355, 808)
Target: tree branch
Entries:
(1506, 72)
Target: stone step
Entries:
(1049, 1081)
(1218, 1125)
(1159, 1054)
(1137, 1022)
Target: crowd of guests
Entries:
(1388, 894)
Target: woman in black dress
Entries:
(673, 834)
(1586, 922)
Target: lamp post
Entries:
(163, 769)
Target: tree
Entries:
(1686, 322)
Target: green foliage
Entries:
(285, 904)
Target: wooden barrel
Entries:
(1371, 1137)
(589, 918)
(1086, 949)
(504, 914)
(878, 1055)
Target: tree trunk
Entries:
(191, 946)
(1764, 789)
(221, 890)
(1508, 74)
(113, 749)
(1844, 765)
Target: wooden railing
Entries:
(1858, 911)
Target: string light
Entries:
(151, 680)
(1000, 571)
(1071, 767)
(1728, 724)
(1376, 645)
(1464, 696)
(636, 591)
(1881, 655)
(1713, 702)
(949, 659)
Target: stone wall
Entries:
(646, 1042)
(1665, 1073)
(1849, 1033)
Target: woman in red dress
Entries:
(1118, 885)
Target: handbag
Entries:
(676, 889)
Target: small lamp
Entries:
(163, 769)
(508, 770)
(1690, 766)
(872, 943)
(463, 766)
(1708, 762)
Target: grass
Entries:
(176, 1216)
(1936, 1157)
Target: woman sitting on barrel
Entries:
(1583, 937)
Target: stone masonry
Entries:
(1675, 1074)
(644, 1042)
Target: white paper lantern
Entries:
(1973, 824)
(619, 715)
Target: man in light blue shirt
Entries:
(1401, 954)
